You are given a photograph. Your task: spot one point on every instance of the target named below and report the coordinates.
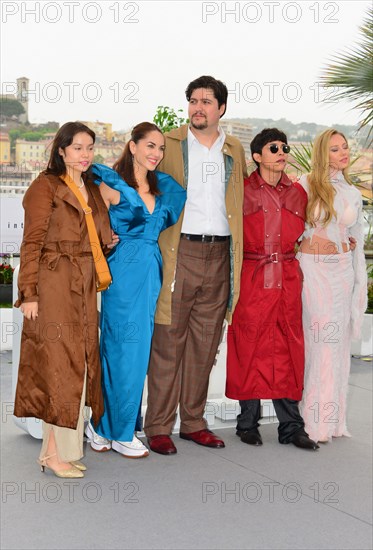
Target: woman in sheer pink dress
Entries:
(334, 290)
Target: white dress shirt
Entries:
(205, 210)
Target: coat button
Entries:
(278, 284)
(267, 236)
(278, 234)
(266, 285)
(229, 216)
(173, 250)
(277, 210)
(296, 212)
(265, 211)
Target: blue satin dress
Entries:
(128, 306)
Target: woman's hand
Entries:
(30, 310)
(114, 240)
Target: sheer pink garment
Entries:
(334, 300)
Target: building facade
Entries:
(30, 152)
(4, 149)
(239, 130)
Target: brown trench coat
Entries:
(57, 270)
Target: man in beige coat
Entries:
(202, 258)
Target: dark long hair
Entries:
(63, 139)
(124, 165)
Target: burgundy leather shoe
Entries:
(205, 438)
(162, 444)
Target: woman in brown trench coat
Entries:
(59, 368)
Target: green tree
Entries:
(351, 72)
(33, 136)
(29, 133)
(14, 134)
(11, 107)
(166, 118)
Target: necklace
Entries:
(81, 184)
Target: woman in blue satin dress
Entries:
(141, 204)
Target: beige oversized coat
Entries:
(175, 163)
(57, 270)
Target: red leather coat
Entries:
(265, 358)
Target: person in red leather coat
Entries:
(265, 358)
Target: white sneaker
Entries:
(130, 449)
(98, 443)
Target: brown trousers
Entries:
(183, 353)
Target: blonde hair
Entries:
(321, 190)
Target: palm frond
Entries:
(350, 74)
(302, 157)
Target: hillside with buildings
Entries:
(25, 147)
(304, 131)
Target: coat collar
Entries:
(62, 191)
(256, 180)
(65, 194)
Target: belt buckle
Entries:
(275, 255)
(207, 238)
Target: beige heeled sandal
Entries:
(70, 473)
(78, 465)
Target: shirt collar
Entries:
(219, 140)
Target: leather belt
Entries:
(264, 259)
(205, 238)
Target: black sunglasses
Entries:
(274, 148)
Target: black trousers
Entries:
(290, 421)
